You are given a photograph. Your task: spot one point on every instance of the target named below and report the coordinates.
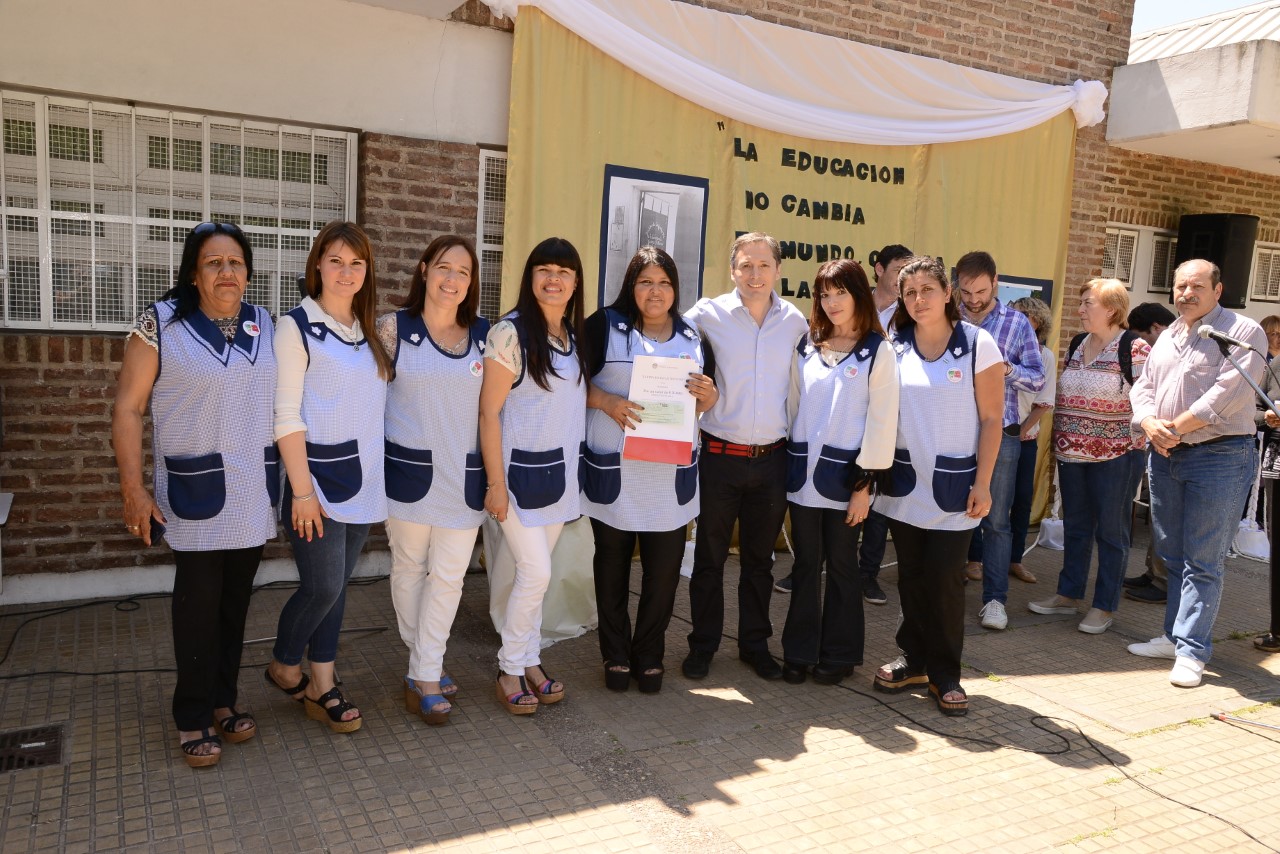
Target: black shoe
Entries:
(763, 664)
(1138, 581)
(783, 585)
(697, 664)
(1151, 595)
(794, 674)
(871, 591)
(831, 674)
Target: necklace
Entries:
(664, 332)
(932, 352)
(340, 330)
(456, 347)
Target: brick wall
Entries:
(58, 389)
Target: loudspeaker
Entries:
(1226, 240)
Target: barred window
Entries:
(490, 227)
(96, 199)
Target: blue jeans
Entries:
(1024, 491)
(1097, 504)
(1196, 493)
(875, 533)
(312, 618)
(996, 538)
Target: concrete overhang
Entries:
(1216, 105)
(438, 9)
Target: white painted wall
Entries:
(309, 62)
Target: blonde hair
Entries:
(1114, 297)
(1270, 323)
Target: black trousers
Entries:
(753, 493)
(931, 585)
(660, 556)
(875, 532)
(211, 593)
(1275, 558)
(823, 628)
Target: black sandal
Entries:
(617, 676)
(950, 708)
(542, 690)
(649, 683)
(227, 726)
(295, 693)
(901, 677)
(201, 760)
(332, 715)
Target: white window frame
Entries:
(1121, 233)
(490, 240)
(1266, 259)
(1161, 242)
(138, 220)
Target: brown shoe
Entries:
(1020, 572)
(973, 571)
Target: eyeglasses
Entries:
(213, 227)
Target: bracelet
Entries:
(495, 483)
(310, 495)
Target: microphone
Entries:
(1207, 331)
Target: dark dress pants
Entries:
(931, 586)
(211, 593)
(823, 628)
(660, 555)
(753, 493)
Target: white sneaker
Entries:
(993, 616)
(1160, 647)
(1053, 605)
(1186, 672)
(1095, 622)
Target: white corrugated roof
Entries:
(1249, 23)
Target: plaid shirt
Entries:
(1017, 342)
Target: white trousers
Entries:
(427, 567)
(522, 628)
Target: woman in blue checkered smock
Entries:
(435, 479)
(532, 424)
(629, 499)
(844, 389)
(330, 396)
(203, 360)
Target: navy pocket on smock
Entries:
(797, 465)
(601, 476)
(953, 477)
(473, 485)
(271, 459)
(336, 469)
(902, 476)
(197, 486)
(407, 471)
(687, 481)
(536, 478)
(833, 475)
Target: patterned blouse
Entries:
(147, 326)
(1091, 418)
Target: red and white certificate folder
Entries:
(668, 422)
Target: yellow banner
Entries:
(605, 158)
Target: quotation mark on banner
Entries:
(720, 125)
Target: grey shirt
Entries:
(1188, 373)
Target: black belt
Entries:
(1212, 441)
(1013, 430)
(714, 445)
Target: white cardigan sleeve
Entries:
(880, 436)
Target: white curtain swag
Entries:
(832, 89)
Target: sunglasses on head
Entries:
(214, 227)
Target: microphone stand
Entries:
(1257, 389)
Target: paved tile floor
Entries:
(1071, 744)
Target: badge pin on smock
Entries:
(954, 375)
(476, 367)
(850, 371)
(251, 328)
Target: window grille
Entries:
(97, 198)
(1117, 254)
(490, 224)
(1266, 273)
(1164, 246)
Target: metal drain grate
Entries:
(30, 748)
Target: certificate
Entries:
(668, 423)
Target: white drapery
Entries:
(811, 85)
